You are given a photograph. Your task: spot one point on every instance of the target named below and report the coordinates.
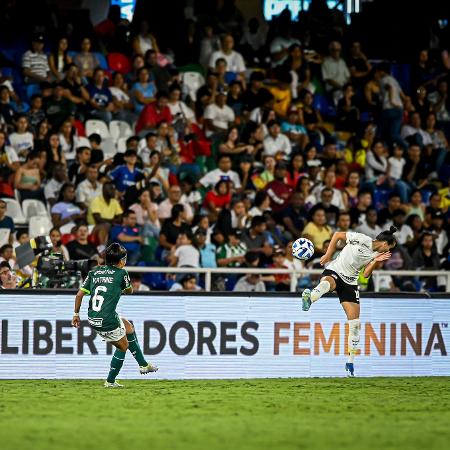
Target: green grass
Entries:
(376, 413)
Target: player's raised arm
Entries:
(337, 236)
(76, 310)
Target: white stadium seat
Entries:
(193, 80)
(14, 210)
(99, 127)
(4, 236)
(109, 148)
(39, 226)
(122, 145)
(32, 208)
(119, 129)
(83, 142)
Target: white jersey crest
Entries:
(354, 256)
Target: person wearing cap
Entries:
(35, 63)
(218, 116)
(231, 253)
(282, 281)
(275, 143)
(293, 128)
(126, 174)
(278, 191)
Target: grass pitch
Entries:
(374, 413)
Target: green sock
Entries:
(116, 365)
(135, 350)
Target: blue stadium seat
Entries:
(426, 194)
(32, 89)
(380, 198)
(102, 60)
(401, 72)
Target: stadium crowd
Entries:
(223, 152)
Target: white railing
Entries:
(295, 275)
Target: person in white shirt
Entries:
(414, 128)
(404, 231)
(335, 72)
(396, 163)
(218, 115)
(370, 227)
(329, 182)
(22, 141)
(250, 283)
(184, 254)
(89, 188)
(360, 254)
(179, 110)
(276, 143)
(223, 171)
(174, 198)
(235, 61)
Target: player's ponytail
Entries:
(388, 236)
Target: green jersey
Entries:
(105, 285)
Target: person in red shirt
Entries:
(155, 113)
(278, 191)
(219, 197)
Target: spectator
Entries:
(89, 188)
(276, 144)
(294, 129)
(331, 211)
(358, 65)
(66, 211)
(425, 257)
(174, 198)
(8, 280)
(103, 211)
(59, 59)
(27, 179)
(330, 183)
(188, 283)
(218, 116)
(299, 70)
(250, 283)
(439, 233)
(78, 169)
(52, 154)
(253, 237)
(184, 253)
(376, 164)
(294, 216)
(396, 164)
(180, 112)
(370, 227)
(143, 90)
(54, 184)
(415, 205)
(128, 234)
(392, 105)
(261, 203)
(317, 231)
(97, 156)
(281, 281)
(7, 254)
(6, 222)
(207, 250)
(223, 172)
(80, 247)
(154, 113)
(172, 228)
(9, 161)
(127, 174)
(231, 253)
(335, 73)
(281, 91)
(86, 61)
(231, 144)
(413, 172)
(68, 139)
(73, 86)
(190, 195)
(136, 282)
(351, 191)
(413, 133)
(144, 41)
(159, 74)
(347, 111)
(36, 115)
(21, 140)
(100, 98)
(146, 214)
(278, 191)
(34, 62)
(404, 232)
(57, 246)
(7, 110)
(440, 102)
(218, 198)
(235, 61)
(255, 96)
(122, 105)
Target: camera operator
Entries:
(8, 280)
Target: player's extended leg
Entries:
(327, 284)
(135, 349)
(352, 310)
(117, 362)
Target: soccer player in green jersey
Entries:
(105, 284)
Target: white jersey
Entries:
(354, 256)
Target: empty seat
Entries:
(39, 226)
(109, 148)
(14, 210)
(119, 128)
(122, 145)
(97, 126)
(32, 208)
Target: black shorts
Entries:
(346, 292)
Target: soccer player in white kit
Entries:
(341, 275)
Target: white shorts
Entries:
(113, 335)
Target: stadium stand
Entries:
(239, 127)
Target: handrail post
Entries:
(376, 282)
(208, 281)
(293, 281)
(448, 281)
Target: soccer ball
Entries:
(303, 249)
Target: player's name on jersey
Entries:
(97, 280)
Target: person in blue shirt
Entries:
(127, 174)
(293, 128)
(6, 221)
(143, 90)
(207, 251)
(100, 98)
(128, 234)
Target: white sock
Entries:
(321, 289)
(354, 327)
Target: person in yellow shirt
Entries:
(103, 211)
(445, 198)
(317, 231)
(282, 92)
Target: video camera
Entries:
(51, 269)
